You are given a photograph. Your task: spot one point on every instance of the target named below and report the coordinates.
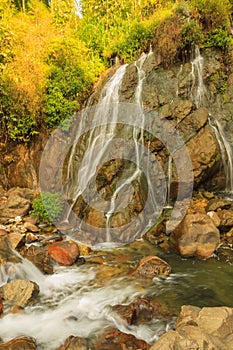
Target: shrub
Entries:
(48, 207)
(219, 38)
(214, 14)
(168, 37)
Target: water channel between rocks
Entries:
(78, 300)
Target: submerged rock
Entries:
(19, 292)
(226, 218)
(206, 328)
(21, 343)
(196, 235)
(140, 311)
(117, 340)
(38, 256)
(74, 343)
(64, 253)
(152, 266)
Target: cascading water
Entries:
(106, 144)
(226, 154)
(198, 93)
(198, 90)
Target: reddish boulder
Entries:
(64, 253)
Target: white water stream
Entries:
(73, 301)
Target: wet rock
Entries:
(225, 253)
(31, 227)
(64, 253)
(3, 232)
(216, 203)
(21, 343)
(30, 219)
(152, 266)
(6, 252)
(140, 311)
(16, 239)
(84, 249)
(19, 292)
(18, 202)
(195, 327)
(214, 217)
(30, 237)
(117, 340)
(74, 343)
(154, 234)
(1, 306)
(226, 218)
(204, 152)
(196, 235)
(39, 257)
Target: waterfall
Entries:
(169, 180)
(115, 134)
(198, 90)
(226, 154)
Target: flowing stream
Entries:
(78, 300)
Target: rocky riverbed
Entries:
(136, 291)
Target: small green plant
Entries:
(48, 207)
(219, 38)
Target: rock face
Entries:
(196, 235)
(207, 328)
(171, 94)
(18, 202)
(152, 266)
(64, 253)
(19, 292)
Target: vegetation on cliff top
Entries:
(52, 52)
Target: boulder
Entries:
(151, 266)
(64, 253)
(21, 343)
(196, 235)
(19, 292)
(207, 328)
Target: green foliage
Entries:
(135, 42)
(69, 79)
(214, 14)
(191, 35)
(48, 207)
(219, 38)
